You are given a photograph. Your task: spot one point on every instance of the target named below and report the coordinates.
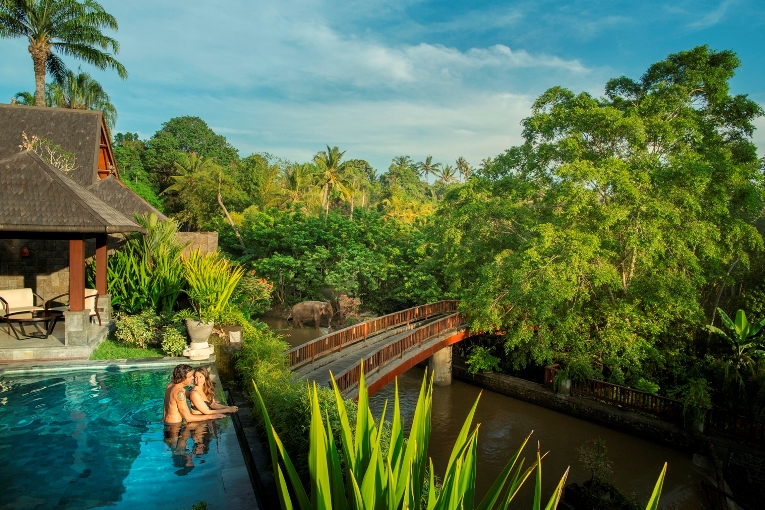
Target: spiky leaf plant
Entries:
(394, 480)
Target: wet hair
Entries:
(180, 372)
(207, 388)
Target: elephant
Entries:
(312, 310)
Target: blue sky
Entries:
(381, 78)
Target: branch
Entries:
(228, 216)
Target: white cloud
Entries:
(712, 18)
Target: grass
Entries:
(112, 349)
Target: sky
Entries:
(384, 78)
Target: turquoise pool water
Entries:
(91, 440)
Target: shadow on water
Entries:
(505, 422)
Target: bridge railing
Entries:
(336, 341)
(396, 350)
(629, 398)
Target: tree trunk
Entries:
(352, 197)
(39, 58)
(325, 195)
(228, 216)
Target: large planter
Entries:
(563, 387)
(695, 424)
(199, 332)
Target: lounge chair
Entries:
(91, 304)
(18, 300)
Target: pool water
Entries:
(91, 440)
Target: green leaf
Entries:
(321, 492)
(653, 502)
(556, 495)
(491, 497)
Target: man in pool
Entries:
(176, 409)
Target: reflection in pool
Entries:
(89, 440)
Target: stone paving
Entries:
(51, 348)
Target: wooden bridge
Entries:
(387, 346)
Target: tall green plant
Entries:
(211, 282)
(147, 272)
(373, 479)
(747, 349)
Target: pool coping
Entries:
(234, 472)
(110, 365)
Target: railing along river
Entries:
(336, 341)
(629, 398)
(396, 350)
(667, 409)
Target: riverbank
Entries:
(743, 464)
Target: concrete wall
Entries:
(604, 414)
(205, 241)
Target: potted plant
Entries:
(480, 359)
(211, 281)
(562, 382)
(696, 403)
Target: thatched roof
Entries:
(36, 197)
(115, 193)
(75, 131)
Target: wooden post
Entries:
(101, 241)
(76, 275)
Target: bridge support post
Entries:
(440, 364)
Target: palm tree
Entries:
(427, 167)
(25, 98)
(80, 91)
(464, 168)
(296, 179)
(331, 173)
(448, 174)
(65, 27)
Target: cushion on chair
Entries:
(19, 300)
(90, 303)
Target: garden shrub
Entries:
(141, 330)
(262, 360)
(253, 294)
(173, 340)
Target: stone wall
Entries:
(207, 242)
(46, 269)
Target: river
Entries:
(506, 421)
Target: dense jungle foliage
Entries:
(606, 242)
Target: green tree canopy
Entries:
(600, 241)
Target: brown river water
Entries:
(506, 421)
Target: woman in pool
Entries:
(203, 395)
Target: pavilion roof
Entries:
(75, 131)
(36, 197)
(115, 193)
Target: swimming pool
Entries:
(89, 440)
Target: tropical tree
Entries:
(747, 349)
(331, 173)
(297, 179)
(447, 174)
(61, 27)
(464, 168)
(195, 183)
(25, 98)
(602, 239)
(427, 167)
(80, 91)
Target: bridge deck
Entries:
(341, 361)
